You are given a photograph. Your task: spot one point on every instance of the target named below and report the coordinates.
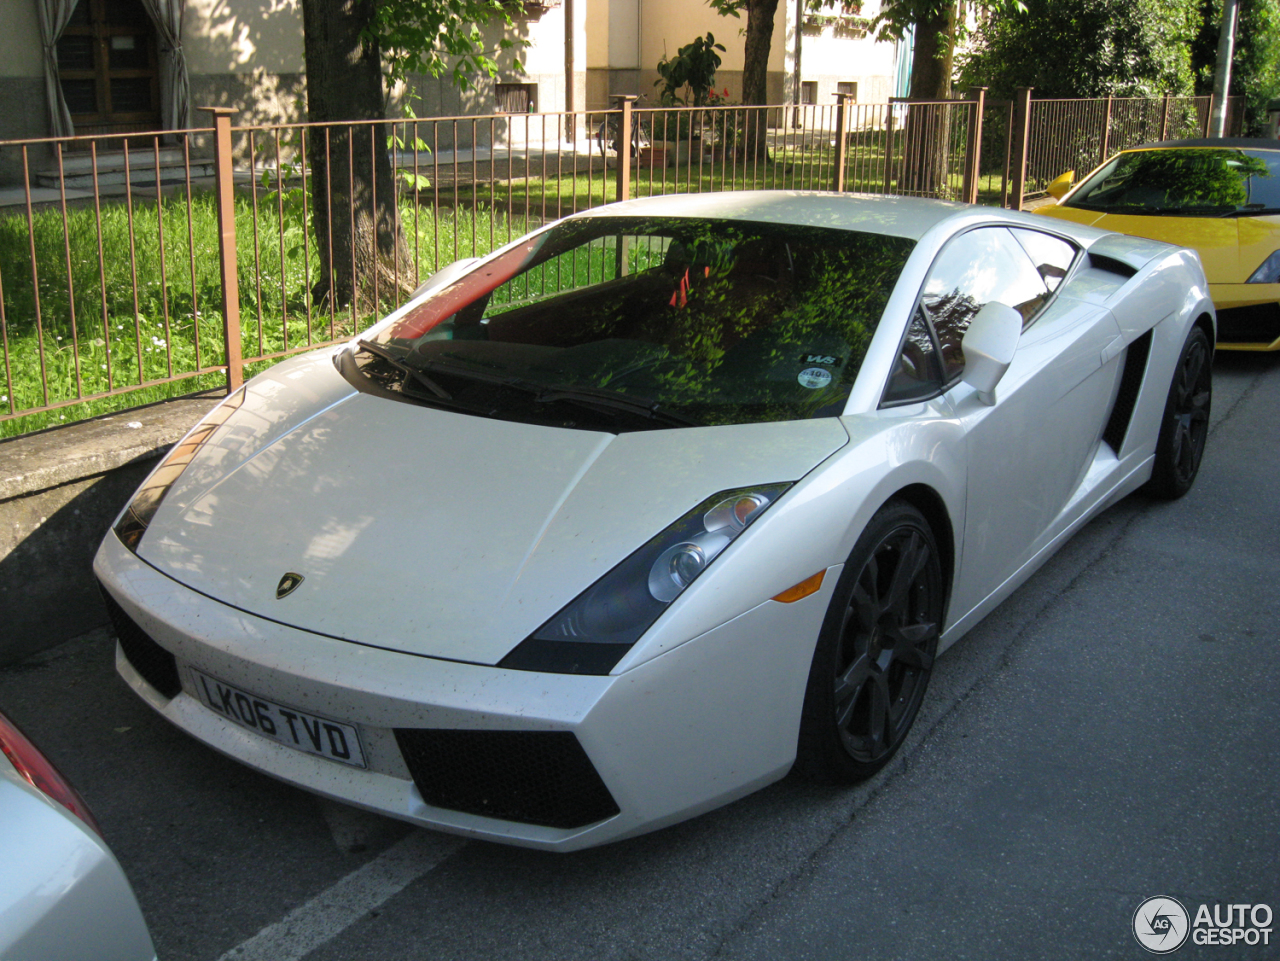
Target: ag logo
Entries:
(288, 584)
(1161, 925)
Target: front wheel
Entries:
(875, 652)
(1185, 425)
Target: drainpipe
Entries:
(639, 42)
(568, 71)
(795, 80)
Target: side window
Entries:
(916, 375)
(1051, 256)
(974, 269)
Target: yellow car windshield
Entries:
(1187, 182)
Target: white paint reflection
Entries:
(334, 539)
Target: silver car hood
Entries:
(432, 532)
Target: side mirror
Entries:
(989, 345)
(1062, 186)
(446, 275)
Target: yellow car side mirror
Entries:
(1058, 189)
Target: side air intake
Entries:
(1135, 368)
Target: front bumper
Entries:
(707, 722)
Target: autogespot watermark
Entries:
(1162, 925)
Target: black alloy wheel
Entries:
(876, 650)
(1185, 426)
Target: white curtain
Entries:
(54, 15)
(175, 88)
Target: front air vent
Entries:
(1255, 324)
(156, 665)
(533, 777)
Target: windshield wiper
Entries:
(483, 376)
(599, 398)
(593, 398)
(407, 369)
(1252, 210)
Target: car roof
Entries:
(1242, 143)
(907, 217)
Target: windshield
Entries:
(1187, 182)
(633, 323)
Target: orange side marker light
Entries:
(810, 585)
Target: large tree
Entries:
(349, 45)
(1140, 48)
(1087, 48)
(755, 59)
(759, 38)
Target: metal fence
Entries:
(1079, 135)
(191, 259)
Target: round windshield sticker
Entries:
(814, 378)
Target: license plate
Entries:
(287, 725)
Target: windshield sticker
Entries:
(826, 360)
(814, 378)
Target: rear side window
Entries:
(974, 269)
(1051, 256)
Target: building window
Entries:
(808, 91)
(850, 87)
(517, 97)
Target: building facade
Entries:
(120, 66)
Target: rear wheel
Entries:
(876, 650)
(1186, 420)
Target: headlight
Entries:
(590, 634)
(133, 522)
(1268, 273)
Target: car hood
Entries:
(1215, 239)
(432, 532)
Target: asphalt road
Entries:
(1109, 734)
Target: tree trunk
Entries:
(928, 129)
(935, 48)
(362, 253)
(755, 73)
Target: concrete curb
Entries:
(59, 491)
(37, 462)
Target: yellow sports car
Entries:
(1220, 197)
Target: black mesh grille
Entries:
(1258, 324)
(153, 662)
(1135, 365)
(534, 777)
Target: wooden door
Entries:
(108, 66)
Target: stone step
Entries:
(77, 169)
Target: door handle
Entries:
(1112, 350)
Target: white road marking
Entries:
(338, 907)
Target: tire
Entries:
(1185, 424)
(875, 652)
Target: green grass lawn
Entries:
(169, 323)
